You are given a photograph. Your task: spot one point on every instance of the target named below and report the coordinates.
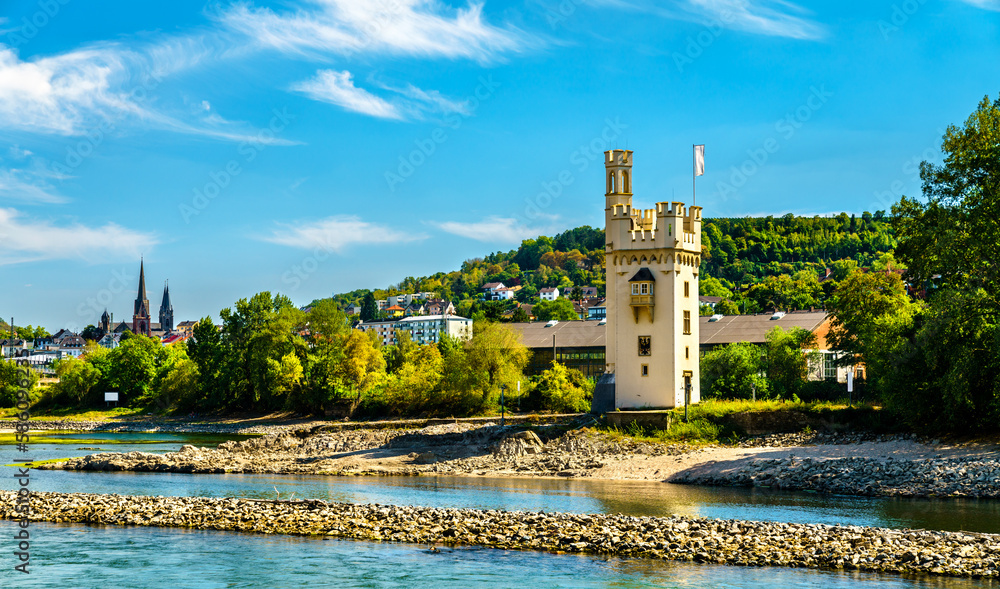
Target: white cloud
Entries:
(336, 233)
(102, 89)
(985, 4)
(423, 28)
(31, 241)
(338, 88)
(494, 230)
(778, 18)
(16, 184)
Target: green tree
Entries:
(564, 390)
(727, 307)
(133, 368)
(369, 307)
(855, 308)
(496, 355)
(734, 371)
(787, 363)
(559, 310)
(11, 377)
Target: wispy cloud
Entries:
(338, 88)
(18, 184)
(408, 102)
(103, 87)
(494, 230)
(985, 4)
(31, 241)
(336, 233)
(422, 28)
(778, 18)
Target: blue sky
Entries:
(317, 147)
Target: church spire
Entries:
(166, 310)
(140, 316)
(141, 296)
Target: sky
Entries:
(322, 146)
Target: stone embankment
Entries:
(964, 476)
(153, 425)
(675, 538)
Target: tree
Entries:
(856, 307)
(91, 333)
(206, 350)
(727, 307)
(564, 390)
(77, 378)
(734, 371)
(787, 364)
(369, 308)
(11, 378)
(559, 310)
(362, 366)
(133, 368)
(495, 353)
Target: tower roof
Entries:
(142, 282)
(166, 296)
(643, 275)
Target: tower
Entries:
(652, 258)
(140, 314)
(105, 323)
(166, 310)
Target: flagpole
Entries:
(694, 175)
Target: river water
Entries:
(87, 556)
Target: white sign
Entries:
(850, 381)
(109, 397)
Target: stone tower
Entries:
(140, 315)
(652, 259)
(166, 311)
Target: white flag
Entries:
(699, 160)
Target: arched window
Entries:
(626, 185)
(612, 189)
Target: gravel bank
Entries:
(675, 538)
(964, 476)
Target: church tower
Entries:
(651, 258)
(166, 311)
(140, 315)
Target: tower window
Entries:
(645, 345)
(687, 352)
(645, 369)
(687, 289)
(687, 322)
(635, 288)
(643, 288)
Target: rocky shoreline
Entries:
(968, 476)
(732, 542)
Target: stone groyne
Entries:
(966, 476)
(731, 542)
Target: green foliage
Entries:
(10, 379)
(857, 307)
(727, 307)
(559, 310)
(786, 362)
(734, 371)
(564, 390)
(77, 378)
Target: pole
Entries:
(694, 198)
(502, 389)
(11, 338)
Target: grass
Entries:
(704, 427)
(36, 463)
(77, 414)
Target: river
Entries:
(113, 556)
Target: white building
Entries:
(386, 330)
(428, 329)
(652, 294)
(548, 294)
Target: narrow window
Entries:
(635, 289)
(687, 352)
(644, 288)
(687, 322)
(645, 369)
(687, 289)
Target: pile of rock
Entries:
(730, 542)
(966, 476)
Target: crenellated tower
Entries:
(652, 258)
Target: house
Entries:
(15, 347)
(352, 310)
(597, 312)
(395, 311)
(173, 339)
(439, 307)
(548, 294)
(71, 345)
(428, 329)
(414, 308)
(503, 294)
(386, 330)
(382, 304)
(110, 340)
(490, 290)
(586, 292)
(186, 327)
(709, 301)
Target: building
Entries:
(548, 294)
(652, 258)
(186, 327)
(166, 310)
(428, 329)
(504, 294)
(710, 302)
(597, 312)
(71, 346)
(576, 342)
(439, 307)
(490, 290)
(395, 311)
(140, 314)
(584, 292)
(386, 330)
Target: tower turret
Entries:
(166, 310)
(140, 313)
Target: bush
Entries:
(564, 390)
